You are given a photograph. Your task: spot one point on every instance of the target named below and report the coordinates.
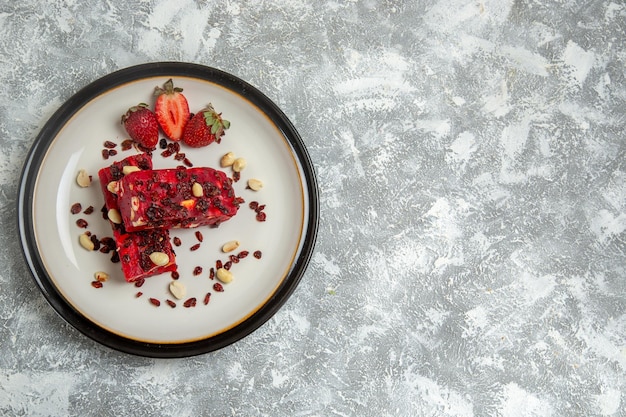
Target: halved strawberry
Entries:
(205, 127)
(171, 109)
(141, 125)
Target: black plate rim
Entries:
(32, 165)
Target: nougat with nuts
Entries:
(176, 198)
(136, 250)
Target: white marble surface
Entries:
(472, 165)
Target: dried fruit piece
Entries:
(178, 289)
(83, 179)
(254, 184)
(230, 246)
(224, 275)
(190, 302)
(76, 208)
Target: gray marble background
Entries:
(471, 160)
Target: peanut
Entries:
(101, 276)
(159, 258)
(85, 242)
(254, 184)
(230, 246)
(178, 289)
(224, 275)
(115, 216)
(196, 190)
(112, 187)
(227, 160)
(82, 179)
(130, 168)
(239, 164)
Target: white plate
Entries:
(114, 315)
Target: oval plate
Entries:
(120, 315)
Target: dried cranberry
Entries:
(139, 282)
(155, 302)
(195, 247)
(112, 152)
(170, 303)
(257, 254)
(95, 241)
(242, 254)
(96, 284)
(197, 270)
(253, 205)
(234, 259)
(127, 144)
(88, 210)
(105, 153)
(82, 223)
(109, 144)
(207, 298)
(187, 162)
(139, 294)
(76, 208)
(261, 216)
(190, 302)
(212, 273)
(175, 275)
(199, 236)
(174, 147)
(166, 153)
(227, 265)
(218, 287)
(218, 264)
(163, 143)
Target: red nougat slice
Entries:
(177, 197)
(134, 248)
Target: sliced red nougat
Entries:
(134, 248)
(177, 197)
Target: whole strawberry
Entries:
(171, 109)
(204, 128)
(141, 125)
